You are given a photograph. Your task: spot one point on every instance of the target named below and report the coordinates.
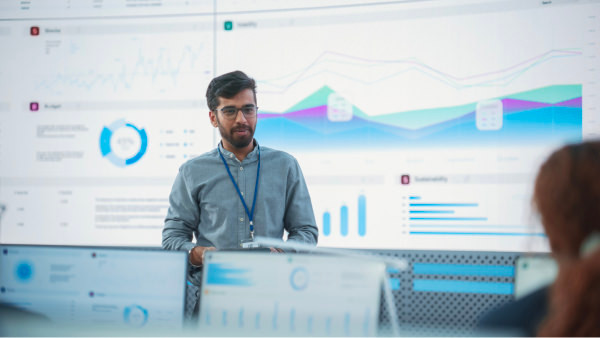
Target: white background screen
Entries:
(418, 125)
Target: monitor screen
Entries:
(418, 125)
(534, 272)
(287, 294)
(113, 288)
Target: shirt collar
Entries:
(251, 157)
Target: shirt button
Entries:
(242, 193)
(241, 168)
(230, 155)
(241, 219)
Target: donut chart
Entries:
(105, 143)
(24, 271)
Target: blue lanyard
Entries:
(249, 213)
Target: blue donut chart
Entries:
(299, 278)
(107, 133)
(130, 314)
(24, 271)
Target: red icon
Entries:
(34, 106)
(405, 179)
(35, 30)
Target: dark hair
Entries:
(567, 196)
(227, 86)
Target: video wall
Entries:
(418, 125)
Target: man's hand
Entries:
(197, 254)
(276, 250)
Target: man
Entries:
(239, 190)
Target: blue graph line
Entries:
(468, 226)
(477, 233)
(155, 68)
(443, 204)
(510, 74)
(449, 218)
(431, 211)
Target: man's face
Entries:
(237, 130)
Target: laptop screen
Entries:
(108, 287)
(247, 293)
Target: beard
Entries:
(237, 140)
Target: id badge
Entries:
(248, 244)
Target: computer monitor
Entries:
(109, 288)
(246, 293)
(534, 272)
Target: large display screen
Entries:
(418, 124)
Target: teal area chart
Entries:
(538, 116)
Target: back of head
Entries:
(567, 196)
(575, 300)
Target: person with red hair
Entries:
(567, 196)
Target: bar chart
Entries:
(344, 227)
(285, 318)
(442, 216)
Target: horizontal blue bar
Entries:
(436, 285)
(395, 283)
(450, 218)
(463, 270)
(222, 274)
(415, 197)
(393, 270)
(431, 211)
(477, 233)
(443, 204)
(468, 226)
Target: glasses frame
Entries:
(237, 109)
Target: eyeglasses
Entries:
(230, 113)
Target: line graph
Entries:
(160, 68)
(383, 70)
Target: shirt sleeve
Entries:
(183, 216)
(299, 219)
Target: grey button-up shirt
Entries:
(204, 201)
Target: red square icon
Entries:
(405, 179)
(35, 30)
(34, 106)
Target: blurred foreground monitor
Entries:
(289, 295)
(67, 289)
(533, 273)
